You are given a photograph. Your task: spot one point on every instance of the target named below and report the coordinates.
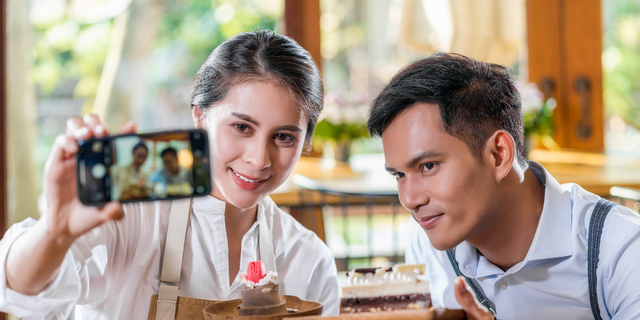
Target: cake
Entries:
(381, 289)
(260, 296)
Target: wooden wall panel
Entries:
(544, 52)
(3, 124)
(564, 44)
(3, 119)
(582, 40)
(302, 23)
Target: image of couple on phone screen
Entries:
(150, 169)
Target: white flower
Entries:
(333, 113)
(351, 111)
(531, 98)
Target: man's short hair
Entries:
(475, 99)
(170, 151)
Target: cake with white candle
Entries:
(381, 289)
(261, 296)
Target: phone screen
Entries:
(139, 167)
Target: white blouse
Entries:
(112, 271)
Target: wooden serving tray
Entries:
(227, 310)
(421, 314)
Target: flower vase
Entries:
(532, 142)
(335, 152)
(342, 151)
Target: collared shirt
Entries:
(551, 281)
(167, 184)
(112, 271)
(163, 176)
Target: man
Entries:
(172, 179)
(452, 134)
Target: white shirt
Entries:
(551, 281)
(112, 271)
(126, 177)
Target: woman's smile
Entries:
(246, 182)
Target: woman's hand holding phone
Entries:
(35, 257)
(66, 216)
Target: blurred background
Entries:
(577, 63)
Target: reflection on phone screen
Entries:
(144, 167)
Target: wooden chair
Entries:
(318, 199)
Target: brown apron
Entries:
(166, 305)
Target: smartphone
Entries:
(144, 167)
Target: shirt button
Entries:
(503, 285)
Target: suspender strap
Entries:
(595, 233)
(593, 252)
(172, 261)
(451, 254)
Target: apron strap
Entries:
(174, 252)
(265, 242)
(172, 261)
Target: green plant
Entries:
(343, 120)
(537, 113)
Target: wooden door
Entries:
(302, 23)
(564, 52)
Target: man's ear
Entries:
(197, 114)
(502, 153)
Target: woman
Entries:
(130, 181)
(259, 96)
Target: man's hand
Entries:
(467, 300)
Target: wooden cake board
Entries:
(421, 314)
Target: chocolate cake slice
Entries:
(374, 290)
(262, 300)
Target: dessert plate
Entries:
(229, 309)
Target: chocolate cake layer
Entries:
(263, 311)
(260, 296)
(263, 300)
(385, 303)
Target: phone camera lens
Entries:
(200, 189)
(198, 153)
(98, 196)
(98, 170)
(97, 147)
(196, 136)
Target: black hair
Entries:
(474, 98)
(264, 56)
(139, 145)
(169, 150)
